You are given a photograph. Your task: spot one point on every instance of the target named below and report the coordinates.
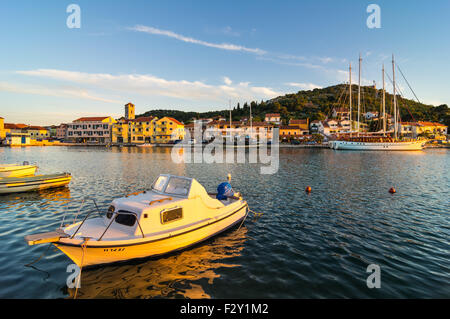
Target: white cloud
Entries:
(149, 85)
(227, 80)
(74, 93)
(171, 34)
(304, 86)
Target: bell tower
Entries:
(129, 111)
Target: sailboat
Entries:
(377, 143)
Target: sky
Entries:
(200, 55)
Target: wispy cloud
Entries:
(149, 85)
(171, 34)
(73, 93)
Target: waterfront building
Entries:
(168, 129)
(316, 127)
(303, 124)
(414, 129)
(2, 128)
(90, 130)
(61, 132)
(273, 118)
(17, 139)
(142, 130)
(237, 129)
(290, 132)
(37, 132)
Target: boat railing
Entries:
(112, 220)
(83, 201)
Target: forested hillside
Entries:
(317, 104)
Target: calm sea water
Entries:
(303, 246)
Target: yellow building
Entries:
(142, 129)
(168, 129)
(137, 131)
(2, 128)
(303, 124)
(290, 132)
(129, 111)
(38, 132)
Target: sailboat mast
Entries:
(251, 122)
(359, 91)
(384, 106)
(229, 103)
(350, 94)
(395, 98)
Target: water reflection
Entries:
(181, 275)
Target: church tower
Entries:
(129, 111)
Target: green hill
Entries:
(317, 104)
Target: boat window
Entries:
(125, 219)
(159, 184)
(178, 186)
(171, 215)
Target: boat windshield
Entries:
(159, 184)
(178, 186)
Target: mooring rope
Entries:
(40, 257)
(83, 248)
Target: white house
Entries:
(273, 118)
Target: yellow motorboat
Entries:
(175, 213)
(17, 170)
(10, 185)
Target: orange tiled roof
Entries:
(175, 120)
(91, 119)
(32, 127)
(143, 119)
(301, 121)
(273, 115)
(13, 126)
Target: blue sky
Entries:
(198, 55)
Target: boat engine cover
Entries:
(224, 190)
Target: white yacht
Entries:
(357, 142)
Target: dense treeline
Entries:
(317, 104)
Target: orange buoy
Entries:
(308, 189)
(392, 190)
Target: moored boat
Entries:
(175, 213)
(145, 145)
(378, 145)
(33, 183)
(17, 170)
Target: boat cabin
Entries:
(172, 203)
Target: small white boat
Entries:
(175, 213)
(145, 145)
(17, 170)
(10, 185)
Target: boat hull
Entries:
(377, 146)
(17, 171)
(114, 251)
(17, 185)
